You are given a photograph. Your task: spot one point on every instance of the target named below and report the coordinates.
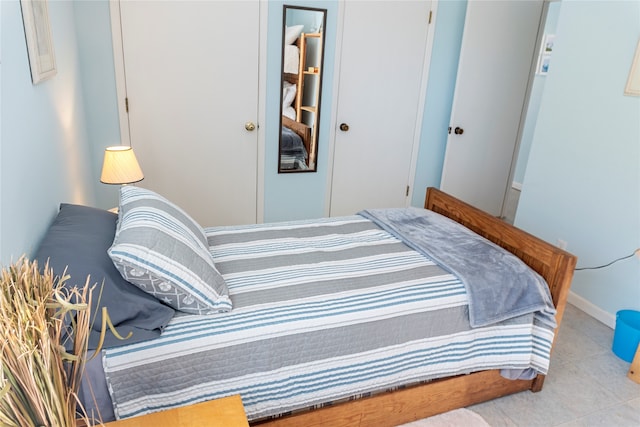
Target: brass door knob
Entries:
(458, 131)
(250, 126)
(344, 127)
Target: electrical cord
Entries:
(632, 254)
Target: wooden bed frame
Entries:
(420, 401)
(303, 130)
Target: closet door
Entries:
(191, 74)
(498, 51)
(381, 69)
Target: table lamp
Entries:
(120, 166)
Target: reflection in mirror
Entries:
(302, 61)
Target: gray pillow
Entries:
(78, 240)
(162, 250)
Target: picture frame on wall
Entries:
(633, 81)
(543, 68)
(37, 31)
(544, 57)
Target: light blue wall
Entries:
(95, 50)
(96, 116)
(582, 182)
(447, 40)
(537, 89)
(287, 196)
(298, 195)
(44, 148)
(303, 195)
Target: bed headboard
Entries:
(555, 265)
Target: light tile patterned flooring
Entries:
(587, 384)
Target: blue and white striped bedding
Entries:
(323, 310)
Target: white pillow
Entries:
(288, 93)
(289, 112)
(292, 33)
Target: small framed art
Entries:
(633, 81)
(37, 31)
(544, 57)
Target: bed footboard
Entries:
(555, 265)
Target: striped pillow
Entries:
(159, 248)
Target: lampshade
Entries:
(120, 166)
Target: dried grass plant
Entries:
(39, 378)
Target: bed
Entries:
(294, 292)
(414, 402)
(294, 145)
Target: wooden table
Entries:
(225, 412)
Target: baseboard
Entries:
(592, 310)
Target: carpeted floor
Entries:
(456, 418)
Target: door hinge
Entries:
(126, 104)
(430, 15)
(407, 193)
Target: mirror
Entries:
(300, 90)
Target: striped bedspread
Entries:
(322, 310)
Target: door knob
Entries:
(344, 127)
(458, 131)
(250, 126)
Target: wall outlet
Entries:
(562, 244)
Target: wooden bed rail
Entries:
(391, 409)
(303, 130)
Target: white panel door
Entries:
(381, 68)
(191, 71)
(498, 47)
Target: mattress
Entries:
(323, 310)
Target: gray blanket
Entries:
(507, 289)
